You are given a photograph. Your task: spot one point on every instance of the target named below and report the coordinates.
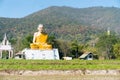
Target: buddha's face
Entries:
(40, 28)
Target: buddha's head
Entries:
(40, 27)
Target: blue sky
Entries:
(22, 8)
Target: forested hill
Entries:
(64, 22)
(93, 16)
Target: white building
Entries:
(5, 45)
(38, 54)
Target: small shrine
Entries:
(5, 45)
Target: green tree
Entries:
(52, 40)
(105, 45)
(63, 47)
(26, 41)
(76, 48)
(116, 50)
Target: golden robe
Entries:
(41, 42)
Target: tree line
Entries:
(103, 46)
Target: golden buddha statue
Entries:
(40, 39)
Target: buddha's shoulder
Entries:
(35, 33)
(44, 33)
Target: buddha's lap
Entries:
(40, 46)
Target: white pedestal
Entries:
(41, 54)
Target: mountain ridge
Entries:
(64, 22)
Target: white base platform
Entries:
(41, 54)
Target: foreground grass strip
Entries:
(58, 64)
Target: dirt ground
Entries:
(60, 77)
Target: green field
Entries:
(13, 64)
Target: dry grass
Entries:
(62, 77)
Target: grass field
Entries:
(36, 65)
(13, 64)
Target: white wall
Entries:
(41, 54)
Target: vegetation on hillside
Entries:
(72, 30)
